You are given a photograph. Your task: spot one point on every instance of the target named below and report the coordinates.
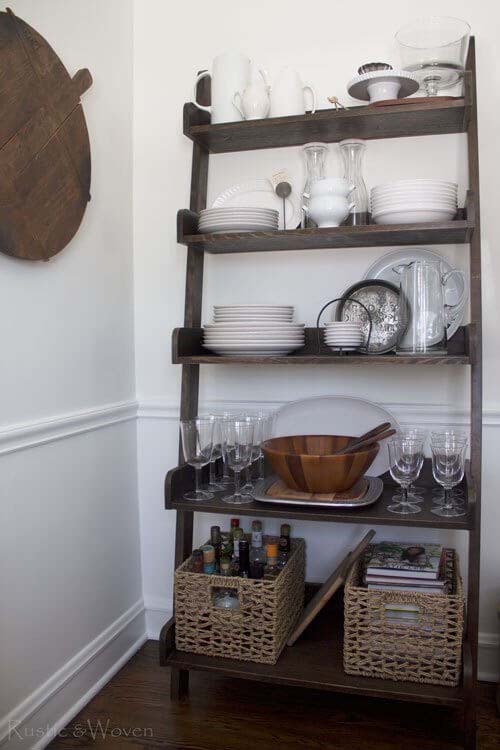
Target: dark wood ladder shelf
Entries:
(328, 125)
(187, 349)
(315, 661)
(457, 231)
(181, 480)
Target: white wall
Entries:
(70, 581)
(327, 46)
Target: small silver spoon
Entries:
(283, 190)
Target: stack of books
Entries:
(407, 567)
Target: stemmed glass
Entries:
(226, 480)
(406, 458)
(259, 421)
(448, 462)
(415, 433)
(237, 446)
(197, 440)
(267, 431)
(438, 437)
(213, 483)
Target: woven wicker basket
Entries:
(258, 630)
(429, 650)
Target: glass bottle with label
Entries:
(257, 550)
(225, 598)
(244, 558)
(284, 545)
(197, 561)
(208, 558)
(271, 570)
(238, 537)
(215, 539)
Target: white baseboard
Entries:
(158, 611)
(44, 713)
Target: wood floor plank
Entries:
(230, 714)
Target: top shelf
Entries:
(328, 125)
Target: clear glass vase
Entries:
(352, 151)
(315, 156)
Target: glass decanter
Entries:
(352, 151)
(315, 156)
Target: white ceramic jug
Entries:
(287, 95)
(230, 73)
(254, 102)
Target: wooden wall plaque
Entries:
(44, 145)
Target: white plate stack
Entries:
(237, 219)
(414, 201)
(343, 335)
(253, 330)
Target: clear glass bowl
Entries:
(435, 49)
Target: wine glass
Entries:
(258, 421)
(213, 483)
(267, 431)
(438, 436)
(197, 440)
(448, 464)
(237, 446)
(225, 479)
(406, 458)
(415, 492)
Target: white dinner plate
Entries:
(335, 415)
(417, 182)
(232, 308)
(383, 269)
(260, 193)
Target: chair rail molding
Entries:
(15, 437)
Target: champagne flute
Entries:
(258, 421)
(237, 445)
(197, 440)
(213, 483)
(406, 458)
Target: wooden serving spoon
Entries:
(365, 442)
(371, 433)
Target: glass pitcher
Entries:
(315, 156)
(423, 314)
(352, 151)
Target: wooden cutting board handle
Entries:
(82, 81)
(330, 586)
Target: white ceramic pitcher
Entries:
(230, 73)
(288, 95)
(254, 103)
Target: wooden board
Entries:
(328, 589)
(44, 145)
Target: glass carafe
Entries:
(352, 151)
(315, 156)
(423, 314)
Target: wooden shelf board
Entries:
(181, 480)
(187, 349)
(458, 231)
(315, 661)
(328, 125)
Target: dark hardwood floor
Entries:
(134, 711)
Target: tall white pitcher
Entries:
(230, 73)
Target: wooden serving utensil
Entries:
(371, 433)
(356, 446)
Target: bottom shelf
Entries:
(315, 661)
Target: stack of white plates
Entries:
(414, 201)
(252, 330)
(237, 219)
(343, 335)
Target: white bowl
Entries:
(328, 210)
(410, 215)
(331, 185)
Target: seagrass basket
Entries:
(428, 650)
(258, 630)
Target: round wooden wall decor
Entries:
(44, 145)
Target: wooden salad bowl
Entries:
(306, 463)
